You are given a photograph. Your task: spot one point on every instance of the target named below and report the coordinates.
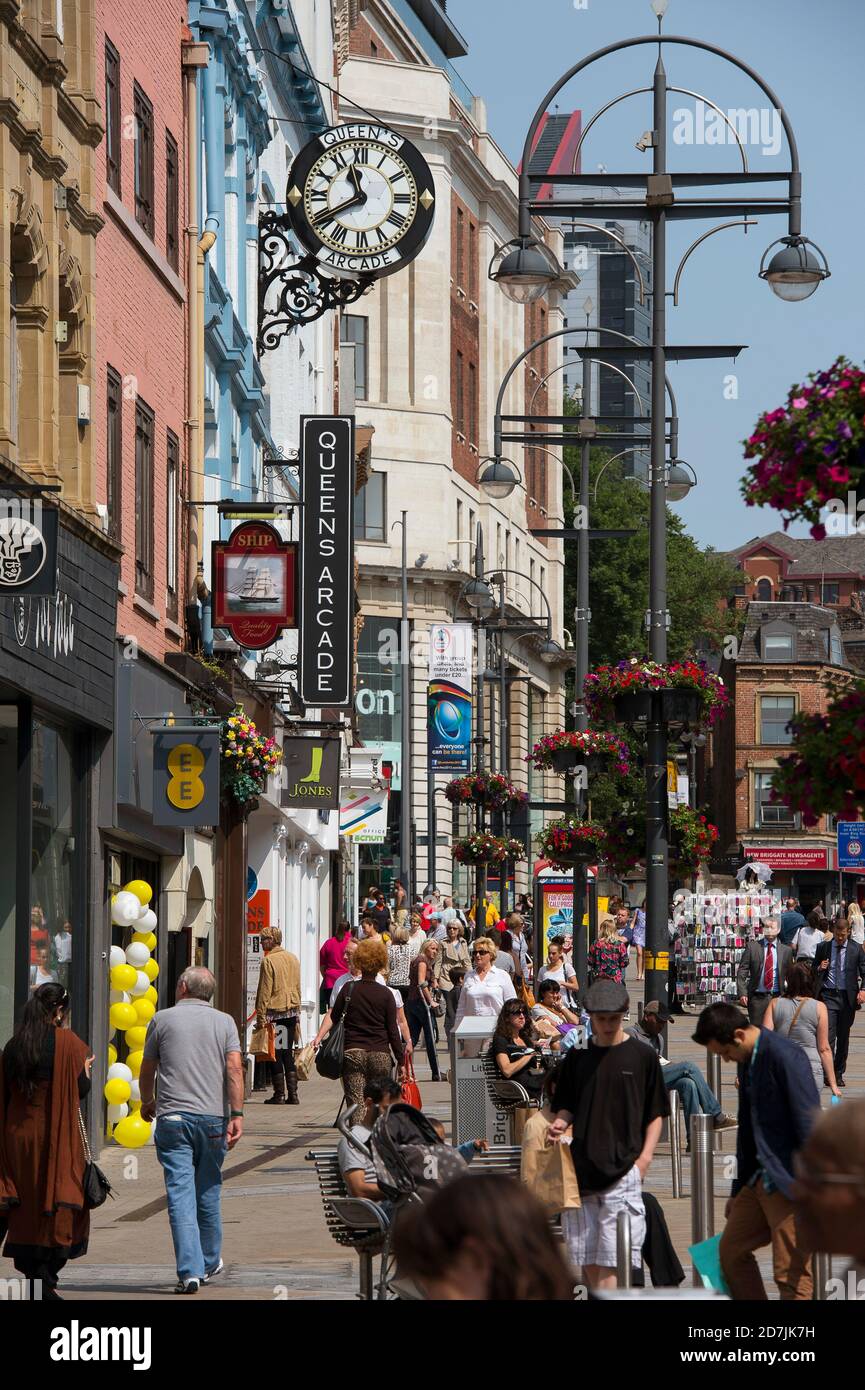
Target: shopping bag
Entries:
(263, 1044)
(706, 1259)
(410, 1088)
(549, 1175)
(304, 1062)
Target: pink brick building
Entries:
(139, 405)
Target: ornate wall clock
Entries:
(361, 198)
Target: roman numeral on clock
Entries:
(361, 241)
(398, 220)
(361, 154)
(402, 198)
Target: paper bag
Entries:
(263, 1044)
(549, 1175)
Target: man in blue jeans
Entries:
(195, 1052)
(685, 1078)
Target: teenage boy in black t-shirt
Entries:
(612, 1092)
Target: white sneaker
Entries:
(722, 1121)
(212, 1273)
(187, 1286)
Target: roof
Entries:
(834, 555)
(809, 621)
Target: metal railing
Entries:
(675, 1142)
(624, 1269)
(716, 1085)
(702, 1183)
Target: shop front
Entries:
(56, 717)
(803, 871)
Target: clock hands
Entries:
(357, 200)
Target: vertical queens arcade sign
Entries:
(327, 561)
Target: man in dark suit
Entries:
(778, 1104)
(839, 968)
(763, 969)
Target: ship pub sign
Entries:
(254, 585)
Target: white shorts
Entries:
(590, 1230)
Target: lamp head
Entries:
(525, 269)
(479, 597)
(680, 479)
(499, 478)
(550, 652)
(794, 272)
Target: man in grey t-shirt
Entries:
(195, 1052)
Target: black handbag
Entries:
(331, 1054)
(96, 1186)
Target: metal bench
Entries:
(505, 1095)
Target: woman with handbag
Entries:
(420, 1001)
(453, 955)
(797, 1015)
(44, 1073)
(517, 1048)
(277, 1006)
(364, 1041)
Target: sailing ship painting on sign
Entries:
(254, 582)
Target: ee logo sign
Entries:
(185, 787)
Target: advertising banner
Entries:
(449, 698)
(257, 918)
(851, 845)
(327, 561)
(788, 856)
(363, 817)
(186, 777)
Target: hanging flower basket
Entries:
(567, 841)
(622, 693)
(692, 837)
(681, 706)
(811, 452)
(247, 758)
(491, 789)
(481, 848)
(825, 772)
(566, 748)
(625, 845)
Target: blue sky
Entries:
(811, 54)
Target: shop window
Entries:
(54, 926)
(144, 199)
(370, 509)
(112, 117)
(776, 711)
(8, 858)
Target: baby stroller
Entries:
(409, 1158)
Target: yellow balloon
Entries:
(136, 1034)
(132, 1131)
(142, 890)
(134, 1107)
(150, 968)
(144, 1009)
(134, 1060)
(123, 977)
(116, 1091)
(122, 1016)
(151, 995)
(148, 938)
(112, 1054)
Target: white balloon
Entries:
(141, 986)
(116, 1113)
(118, 996)
(118, 1071)
(137, 953)
(147, 920)
(125, 909)
(116, 956)
(136, 1091)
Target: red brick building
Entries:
(779, 567)
(786, 654)
(139, 407)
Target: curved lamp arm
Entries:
(642, 91)
(635, 449)
(612, 368)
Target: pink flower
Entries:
(799, 403)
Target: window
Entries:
(143, 160)
(144, 421)
(472, 530)
(459, 521)
(114, 460)
(171, 475)
(460, 276)
(768, 812)
(836, 647)
(172, 200)
(370, 510)
(830, 593)
(775, 713)
(354, 332)
(460, 396)
(764, 590)
(473, 404)
(112, 116)
(473, 262)
(778, 646)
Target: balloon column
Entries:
(132, 1005)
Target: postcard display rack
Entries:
(712, 930)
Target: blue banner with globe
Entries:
(449, 698)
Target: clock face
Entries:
(361, 198)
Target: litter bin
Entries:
(474, 1115)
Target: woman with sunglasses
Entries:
(517, 1048)
(485, 989)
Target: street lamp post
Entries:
(793, 273)
(406, 856)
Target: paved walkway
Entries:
(276, 1244)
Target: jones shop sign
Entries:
(312, 771)
(28, 547)
(327, 561)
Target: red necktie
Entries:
(768, 972)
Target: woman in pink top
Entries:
(331, 962)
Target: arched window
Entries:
(764, 590)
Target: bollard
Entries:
(624, 1272)
(715, 1084)
(702, 1183)
(675, 1142)
(821, 1269)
